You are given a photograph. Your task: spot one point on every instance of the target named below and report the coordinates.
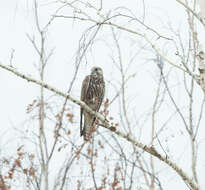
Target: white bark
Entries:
(201, 4)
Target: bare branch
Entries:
(192, 11)
(151, 150)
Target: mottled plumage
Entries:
(92, 93)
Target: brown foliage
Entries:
(3, 185)
(31, 106)
(70, 117)
(32, 172)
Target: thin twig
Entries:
(105, 123)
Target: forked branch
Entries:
(151, 150)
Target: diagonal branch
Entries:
(192, 11)
(151, 150)
(109, 23)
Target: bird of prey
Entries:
(92, 93)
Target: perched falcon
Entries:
(92, 93)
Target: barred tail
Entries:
(88, 126)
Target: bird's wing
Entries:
(101, 94)
(84, 89)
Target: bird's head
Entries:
(97, 71)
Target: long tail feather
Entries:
(88, 124)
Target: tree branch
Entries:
(192, 11)
(151, 150)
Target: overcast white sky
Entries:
(16, 18)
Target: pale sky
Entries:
(16, 18)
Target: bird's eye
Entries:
(96, 69)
